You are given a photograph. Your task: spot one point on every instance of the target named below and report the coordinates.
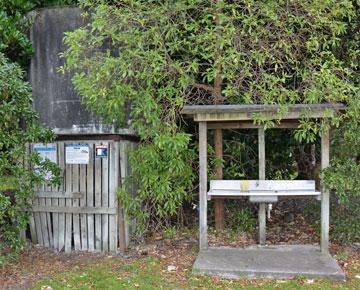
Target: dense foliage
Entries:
(18, 126)
(159, 55)
(18, 123)
(14, 42)
(13, 24)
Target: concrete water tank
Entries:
(55, 99)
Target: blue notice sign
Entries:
(101, 150)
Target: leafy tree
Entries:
(343, 175)
(159, 55)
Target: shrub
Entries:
(241, 220)
(18, 127)
(344, 220)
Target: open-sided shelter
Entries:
(262, 261)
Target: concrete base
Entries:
(281, 262)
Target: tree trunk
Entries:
(218, 137)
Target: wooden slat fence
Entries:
(83, 212)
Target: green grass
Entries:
(150, 273)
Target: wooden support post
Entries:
(262, 206)
(203, 243)
(325, 199)
(121, 150)
(219, 203)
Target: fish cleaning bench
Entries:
(262, 191)
(275, 261)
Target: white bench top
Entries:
(262, 188)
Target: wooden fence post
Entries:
(325, 199)
(262, 206)
(203, 243)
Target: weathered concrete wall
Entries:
(55, 100)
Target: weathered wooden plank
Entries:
(105, 201)
(113, 184)
(258, 108)
(48, 202)
(61, 203)
(83, 216)
(44, 224)
(60, 194)
(216, 117)
(43, 221)
(124, 148)
(33, 234)
(131, 223)
(130, 189)
(123, 226)
(261, 141)
(325, 198)
(97, 192)
(38, 227)
(32, 224)
(262, 206)
(203, 243)
(49, 221)
(90, 199)
(74, 210)
(68, 204)
(76, 204)
(55, 202)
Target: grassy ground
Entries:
(151, 273)
(146, 267)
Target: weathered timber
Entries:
(203, 185)
(325, 203)
(262, 206)
(256, 108)
(76, 210)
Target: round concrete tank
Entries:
(55, 99)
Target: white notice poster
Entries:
(46, 151)
(77, 153)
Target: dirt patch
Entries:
(34, 263)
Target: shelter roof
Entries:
(241, 112)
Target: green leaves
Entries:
(163, 171)
(19, 126)
(152, 57)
